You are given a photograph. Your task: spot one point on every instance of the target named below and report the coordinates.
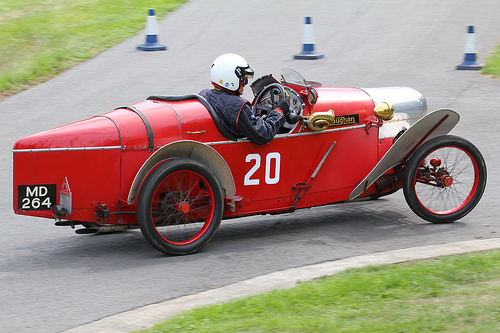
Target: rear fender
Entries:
(187, 149)
(437, 123)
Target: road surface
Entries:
(53, 279)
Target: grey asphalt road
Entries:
(53, 279)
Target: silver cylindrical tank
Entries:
(409, 106)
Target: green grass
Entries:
(492, 65)
(449, 294)
(41, 38)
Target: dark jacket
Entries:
(236, 116)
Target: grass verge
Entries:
(449, 294)
(492, 65)
(41, 38)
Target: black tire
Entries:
(444, 179)
(180, 206)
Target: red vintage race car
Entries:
(167, 165)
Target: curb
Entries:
(149, 315)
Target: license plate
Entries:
(36, 197)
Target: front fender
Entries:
(188, 149)
(437, 123)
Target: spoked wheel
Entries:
(444, 179)
(180, 206)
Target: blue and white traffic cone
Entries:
(470, 52)
(151, 34)
(308, 52)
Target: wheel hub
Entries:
(448, 181)
(183, 207)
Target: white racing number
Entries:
(36, 197)
(272, 169)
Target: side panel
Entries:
(265, 176)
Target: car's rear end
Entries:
(83, 172)
(81, 158)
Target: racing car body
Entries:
(167, 165)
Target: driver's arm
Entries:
(259, 131)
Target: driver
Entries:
(229, 74)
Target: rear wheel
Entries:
(444, 179)
(180, 206)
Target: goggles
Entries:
(244, 73)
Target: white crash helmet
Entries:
(229, 71)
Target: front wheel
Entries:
(180, 206)
(444, 179)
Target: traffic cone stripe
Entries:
(151, 26)
(469, 41)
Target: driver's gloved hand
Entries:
(284, 106)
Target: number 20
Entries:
(269, 179)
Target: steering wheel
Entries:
(269, 99)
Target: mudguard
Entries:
(437, 123)
(186, 148)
